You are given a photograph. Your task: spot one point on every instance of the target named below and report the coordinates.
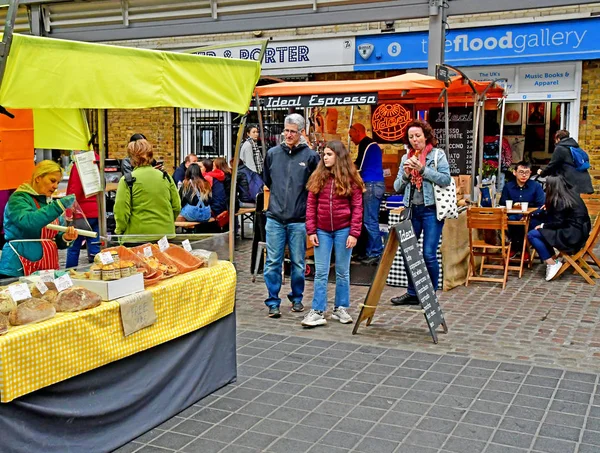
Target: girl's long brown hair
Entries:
(195, 181)
(343, 171)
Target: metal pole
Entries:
(350, 125)
(437, 35)
(261, 128)
(474, 146)
(501, 137)
(102, 226)
(446, 122)
(480, 132)
(232, 193)
(7, 37)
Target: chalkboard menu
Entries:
(460, 148)
(420, 276)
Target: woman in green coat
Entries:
(149, 203)
(30, 246)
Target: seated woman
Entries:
(195, 196)
(147, 204)
(216, 177)
(30, 208)
(567, 226)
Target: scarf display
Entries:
(416, 178)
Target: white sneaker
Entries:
(341, 315)
(552, 270)
(313, 319)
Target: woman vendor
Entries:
(30, 246)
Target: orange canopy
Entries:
(410, 87)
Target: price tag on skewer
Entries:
(148, 252)
(163, 244)
(106, 258)
(63, 282)
(187, 246)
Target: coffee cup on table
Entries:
(524, 206)
(509, 204)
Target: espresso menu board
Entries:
(460, 148)
(420, 276)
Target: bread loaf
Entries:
(76, 299)
(30, 311)
(3, 324)
(7, 304)
(50, 296)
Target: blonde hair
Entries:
(140, 153)
(44, 168)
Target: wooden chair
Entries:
(580, 261)
(487, 219)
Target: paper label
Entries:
(47, 276)
(88, 173)
(187, 246)
(19, 292)
(148, 252)
(137, 312)
(63, 282)
(163, 244)
(41, 286)
(106, 258)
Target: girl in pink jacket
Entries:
(333, 221)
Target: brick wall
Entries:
(589, 130)
(156, 124)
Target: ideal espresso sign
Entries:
(320, 100)
(459, 143)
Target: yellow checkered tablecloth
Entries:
(38, 355)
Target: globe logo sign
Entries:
(389, 121)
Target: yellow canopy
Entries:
(58, 74)
(56, 78)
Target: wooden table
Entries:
(524, 221)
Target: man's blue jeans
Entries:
(278, 235)
(327, 241)
(424, 220)
(92, 244)
(371, 203)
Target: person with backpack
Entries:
(570, 162)
(147, 201)
(249, 185)
(334, 213)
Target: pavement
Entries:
(517, 372)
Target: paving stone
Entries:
(470, 431)
(421, 397)
(531, 401)
(481, 418)
(569, 408)
(574, 397)
(273, 427)
(407, 448)
(495, 448)
(460, 445)
(378, 402)
(411, 407)
(487, 364)
(448, 413)
(223, 433)
(367, 413)
(228, 404)
(512, 439)
(173, 441)
(192, 427)
(584, 377)
(306, 433)
(204, 446)
(356, 426)
(290, 446)
(373, 445)
(435, 376)
(518, 425)
(389, 432)
(591, 437)
(436, 425)
(546, 372)
(396, 418)
(341, 439)
(457, 390)
(474, 371)
(489, 407)
(560, 432)
(553, 445)
(321, 420)
(334, 408)
(425, 439)
(526, 413)
(287, 414)
(210, 415)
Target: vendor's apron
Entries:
(49, 259)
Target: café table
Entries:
(524, 221)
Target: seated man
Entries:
(520, 190)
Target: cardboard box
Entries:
(391, 163)
(113, 289)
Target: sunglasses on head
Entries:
(136, 137)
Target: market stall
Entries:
(85, 381)
(454, 109)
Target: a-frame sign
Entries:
(402, 235)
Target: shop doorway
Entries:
(530, 127)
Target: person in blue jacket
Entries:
(30, 246)
(179, 174)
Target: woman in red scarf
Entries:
(423, 166)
